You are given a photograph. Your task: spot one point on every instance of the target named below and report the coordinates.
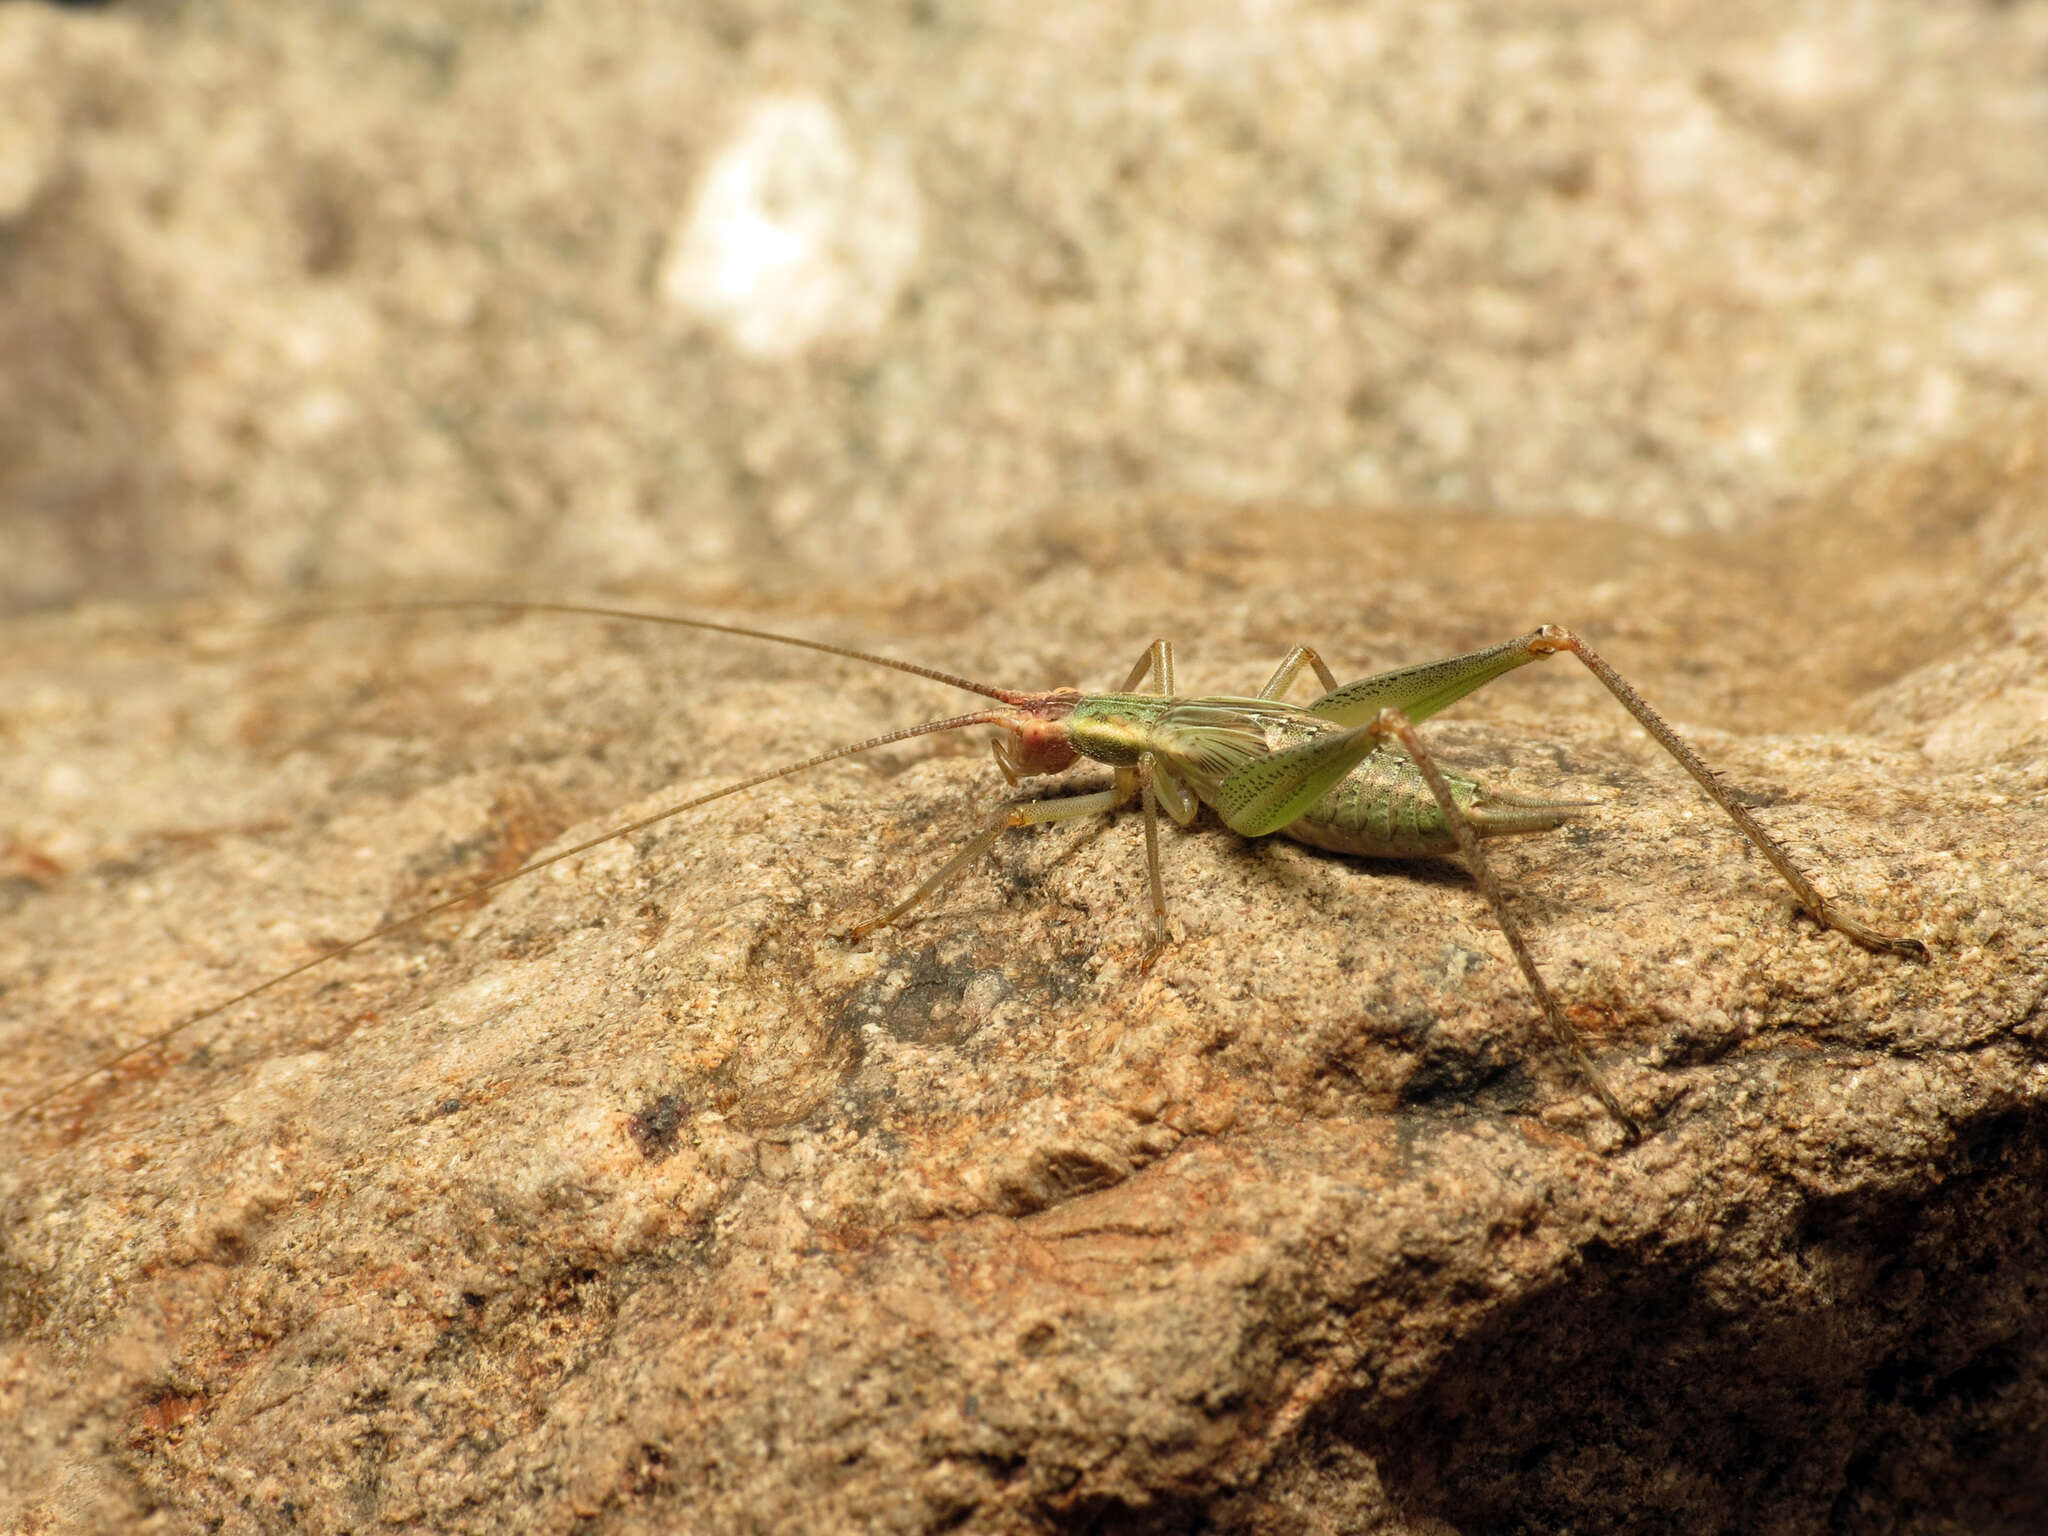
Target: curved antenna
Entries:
(515, 605)
(904, 733)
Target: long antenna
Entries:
(515, 605)
(904, 733)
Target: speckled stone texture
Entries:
(635, 1200)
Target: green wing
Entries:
(1208, 740)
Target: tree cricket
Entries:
(1348, 773)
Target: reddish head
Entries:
(1039, 741)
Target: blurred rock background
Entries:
(537, 295)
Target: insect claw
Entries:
(1886, 943)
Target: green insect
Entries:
(1346, 772)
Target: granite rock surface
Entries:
(634, 1198)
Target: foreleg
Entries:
(1028, 813)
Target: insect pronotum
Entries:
(1346, 772)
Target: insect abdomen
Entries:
(1382, 809)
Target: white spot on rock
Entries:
(793, 235)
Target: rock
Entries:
(633, 1198)
(335, 296)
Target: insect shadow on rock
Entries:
(1347, 772)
